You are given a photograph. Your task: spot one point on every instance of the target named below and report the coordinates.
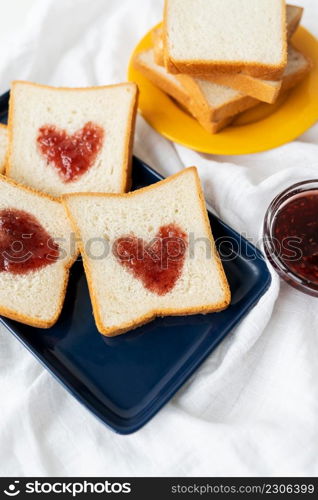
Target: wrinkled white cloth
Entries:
(251, 409)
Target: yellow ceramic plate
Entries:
(262, 128)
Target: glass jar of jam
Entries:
(291, 236)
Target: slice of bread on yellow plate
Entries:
(223, 103)
(264, 90)
(65, 140)
(207, 36)
(149, 253)
(36, 252)
(3, 146)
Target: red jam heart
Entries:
(158, 264)
(24, 244)
(72, 155)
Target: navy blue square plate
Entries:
(125, 381)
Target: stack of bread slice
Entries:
(219, 58)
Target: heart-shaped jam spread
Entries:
(72, 155)
(24, 244)
(158, 263)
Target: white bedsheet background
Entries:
(252, 407)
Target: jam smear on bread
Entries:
(158, 263)
(24, 244)
(72, 155)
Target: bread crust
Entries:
(149, 316)
(197, 67)
(3, 127)
(256, 70)
(126, 171)
(129, 140)
(29, 320)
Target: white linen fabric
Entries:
(251, 409)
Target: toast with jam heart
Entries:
(148, 253)
(3, 146)
(65, 140)
(36, 253)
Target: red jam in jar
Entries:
(72, 155)
(24, 244)
(158, 263)
(295, 233)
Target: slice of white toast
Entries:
(214, 107)
(3, 146)
(264, 90)
(34, 258)
(131, 285)
(202, 37)
(293, 18)
(65, 140)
